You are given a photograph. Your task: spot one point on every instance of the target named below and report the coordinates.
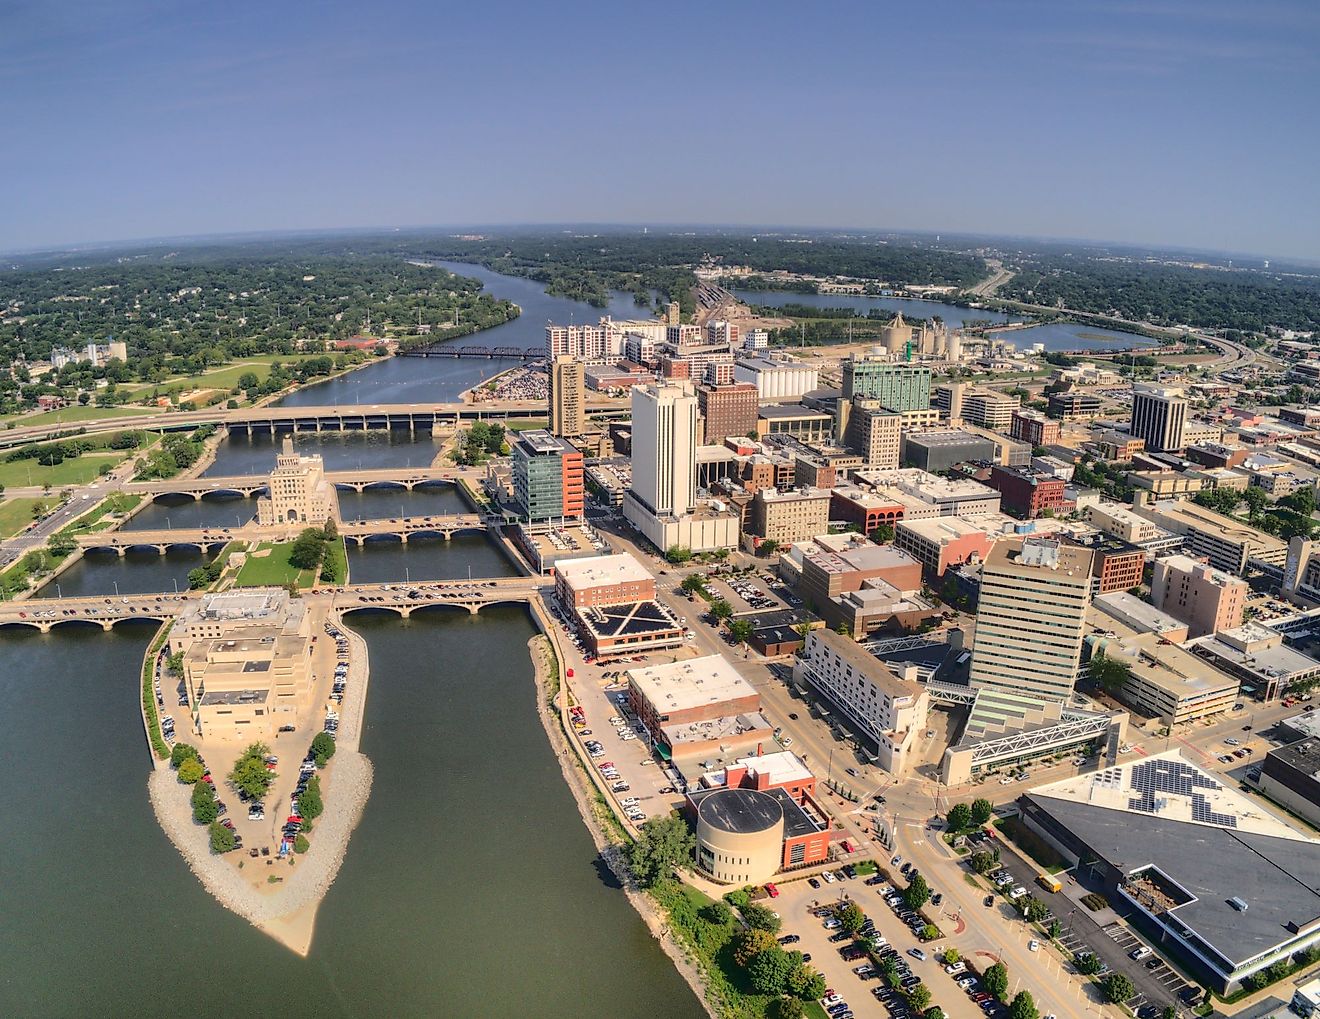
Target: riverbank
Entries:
(284, 908)
(550, 709)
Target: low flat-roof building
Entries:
(611, 599)
(1227, 543)
(941, 542)
(1257, 656)
(232, 613)
(695, 706)
(960, 497)
(864, 587)
(1290, 777)
(747, 835)
(238, 687)
(603, 580)
(1219, 883)
(1164, 681)
(1137, 615)
(1121, 522)
(937, 451)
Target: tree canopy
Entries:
(664, 844)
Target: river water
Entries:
(441, 379)
(471, 887)
(953, 315)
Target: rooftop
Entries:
(866, 664)
(1131, 611)
(1029, 555)
(1186, 564)
(779, 768)
(637, 620)
(1189, 514)
(538, 442)
(598, 571)
(860, 558)
(679, 686)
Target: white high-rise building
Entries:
(1158, 416)
(664, 447)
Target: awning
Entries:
(665, 753)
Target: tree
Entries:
(934, 1012)
(250, 774)
(917, 893)
(323, 747)
(747, 944)
(307, 550)
(769, 970)
(1086, 963)
(665, 843)
(760, 918)
(1023, 1007)
(919, 997)
(721, 609)
(982, 861)
(1169, 1012)
(805, 983)
(1108, 673)
(882, 535)
(678, 554)
(1035, 910)
(222, 839)
(767, 547)
(995, 979)
(982, 811)
(310, 805)
(717, 913)
(951, 955)
(300, 844)
(190, 771)
(1256, 500)
(205, 811)
(693, 583)
(1117, 987)
(851, 917)
(959, 817)
(182, 752)
(788, 1008)
(740, 630)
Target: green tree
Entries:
(959, 817)
(1108, 673)
(1256, 500)
(250, 774)
(205, 811)
(1086, 963)
(1023, 1006)
(761, 918)
(851, 917)
(1035, 910)
(665, 843)
(678, 554)
(788, 1008)
(693, 583)
(721, 609)
(882, 534)
(222, 839)
(951, 955)
(749, 943)
(716, 913)
(300, 844)
(995, 979)
(310, 805)
(982, 811)
(323, 747)
(805, 983)
(190, 771)
(982, 861)
(769, 970)
(182, 752)
(740, 630)
(934, 1012)
(1117, 987)
(1169, 1012)
(917, 893)
(307, 550)
(919, 997)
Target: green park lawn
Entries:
(273, 570)
(16, 514)
(74, 471)
(72, 415)
(223, 376)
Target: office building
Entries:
(948, 399)
(239, 687)
(887, 712)
(1027, 493)
(568, 397)
(1228, 544)
(1206, 599)
(1118, 520)
(697, 707)
(664, 447)
(1225, 888)
(1034, 428)
(298, 492)
(1258, 656)
(232, 613)
(864, 588)
(1290, 777)
(989, 408)
(793, 419)
(937, 451)
(548, 482)
(1119, 565)
(950, 497)
(874, 433)
(899, 386)
(727, 410)
(1301, 572)
(1031, 617)
(943, 542)
(1158, 416)
(786, 517)
(1073, 406)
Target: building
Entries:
(950, 497)
(795, 420)
(1118, 520)
(298, 492)
(1028, 493)
(1034, 428)
(728, 410)
(232, 613)
(1301, 572)
(568, 397)
(1163, 680)
(888, 713)
(941, 542)
(603, 580)
(864, 588)
(897, 385)
(1226, 543)
(1073, 406)
(1118, 565)
(1158, 416)
(585, 343)
(1134, 616)
(1290, 777)
(1166, 484)
(747, 835)
(1207, 599)
(1223, 887)
(875, 433)
(1116, 445)
(1257, 656)
(937, 451)
(785, 517)
(869, 510)
(777, 380)
(611, 600)
(548, 481)
(990, 408)
(1031, 618)
(697, 707)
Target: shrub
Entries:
(1094, 901)
(190, 771)
(310, 805)
(738, 898)
(182, 752)
(1118, 987)
(222, 839)
(323, 747)
(300, 843)
(760, 918)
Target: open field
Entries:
(16, 514)
(273, 570)
(74, 471)
(73, 415)
(222, 377)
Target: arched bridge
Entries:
(472, 595)
(250, 485)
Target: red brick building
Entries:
(727, 410)
(1034, 427)
(1026, 493)
(603, 580)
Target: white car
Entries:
(1017, 892)
(829, 877)
(630, 801)
(1033, 945)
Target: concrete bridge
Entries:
(255, 484)
(45, 614)
(444, 525)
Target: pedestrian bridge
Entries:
(45, 614)
(256, 484)
(215, 538)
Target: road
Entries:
(988, 287)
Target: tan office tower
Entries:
(1031, 617)
(568, 390)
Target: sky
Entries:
(1189, 124)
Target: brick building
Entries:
(1026, 493)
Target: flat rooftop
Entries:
(1048, 555)
(942, 530)
(1188, 514)
(539, 442)
(867, 664)
(778, 768)
(680, 686)
(1129, 610)
(861, 558)
(791, 412)
(214, 697)
(745, 811)
(641, 619)
(599, 571)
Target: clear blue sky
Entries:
(1171, 123)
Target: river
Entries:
(441, 379)
(471, 886)
(953, 315)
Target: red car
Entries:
(207, 779)
(772, 890)
(293, 819)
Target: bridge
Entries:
(45, 614)
(254, 484)
(490, 353)
(359, 532)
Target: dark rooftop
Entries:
(741, 811)
(639, 619)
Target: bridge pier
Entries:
(473, 608)
(107, 625)
(403, 537)
(120, 551)
(405, 611)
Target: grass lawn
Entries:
(72, 415)
(16, 514)
(74, 471)
(273, 570)
(223, 376)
